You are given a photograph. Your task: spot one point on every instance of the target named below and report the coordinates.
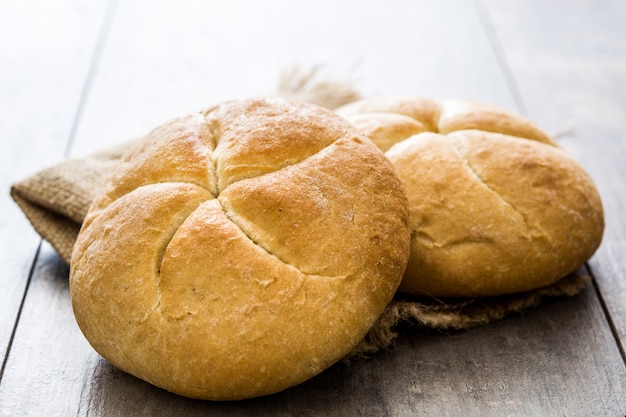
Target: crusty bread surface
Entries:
(496, 207)
(241, 250)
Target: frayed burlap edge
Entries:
(56, 199)
(458, 315)
(311, 87)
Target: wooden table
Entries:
(77, 76)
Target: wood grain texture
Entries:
(570, 67)
(45, 53)
(163, 59)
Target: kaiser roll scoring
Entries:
(496, 207)
(241, 250)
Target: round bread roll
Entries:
(241, 250)
(495, 206)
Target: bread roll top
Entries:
(496, 207)
(240, 251)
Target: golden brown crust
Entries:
(495, 206)
(467, 115)
(241, 251)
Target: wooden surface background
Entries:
(77, 76)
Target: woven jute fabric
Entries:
(56, 200)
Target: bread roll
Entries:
(241, 250)
(495, 206)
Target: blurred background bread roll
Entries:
(496, 207)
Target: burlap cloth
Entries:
(56, 199)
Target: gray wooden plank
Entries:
(571, 70)
(45, 50)
(539, 363)
(44, 350)
(163, 61)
